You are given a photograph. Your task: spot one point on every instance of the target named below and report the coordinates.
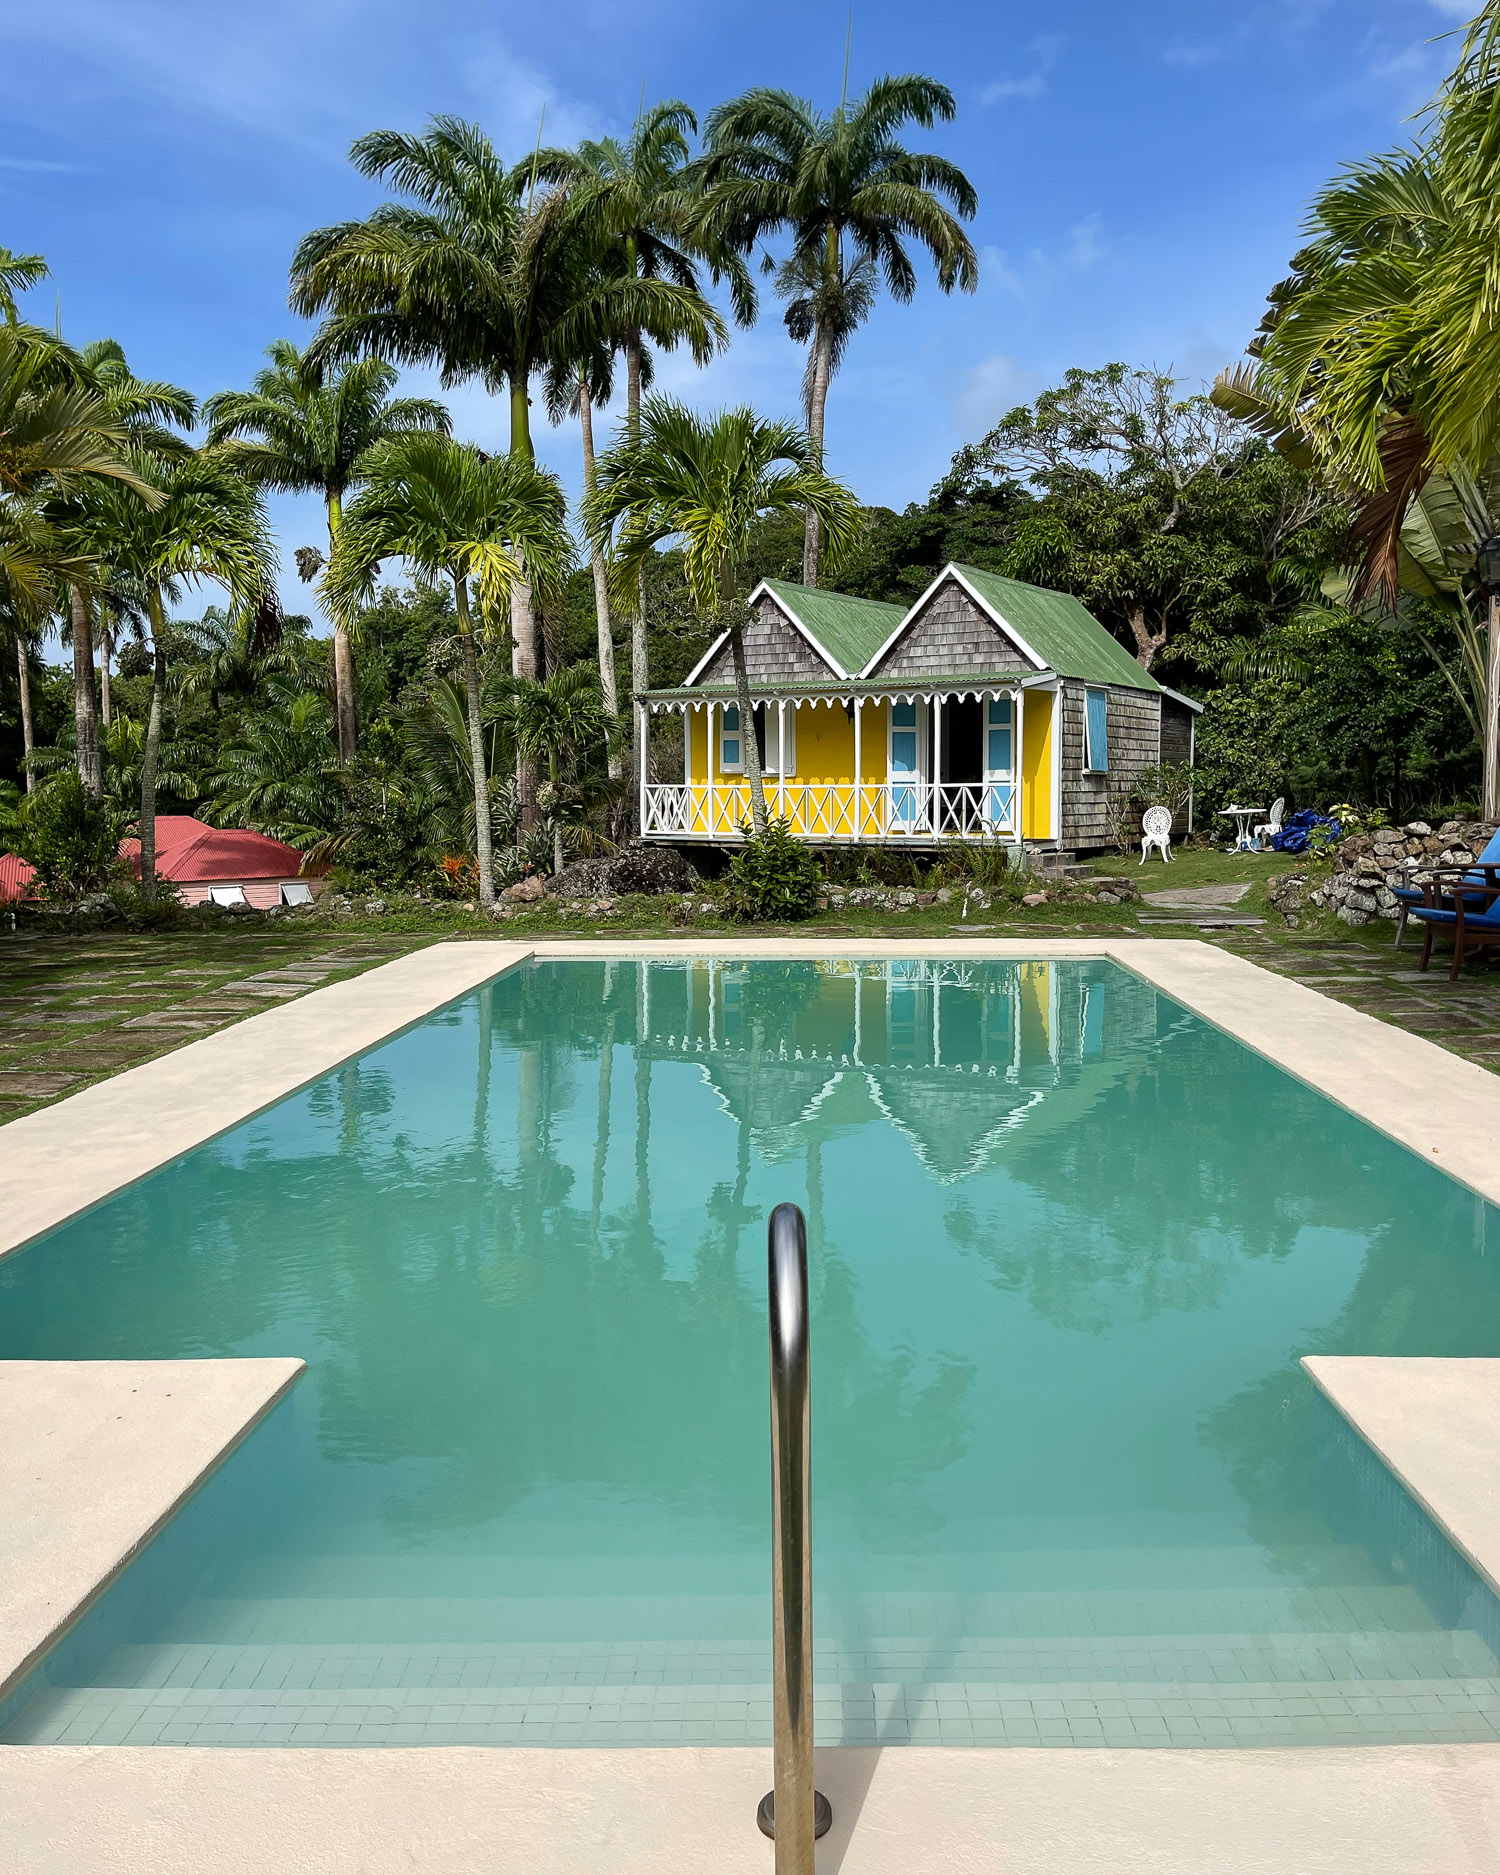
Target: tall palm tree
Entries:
(637, 201)
(555, 722)
(207, 522)
(576, 390)
(706, 482)
(454, 513)
(480, 274)
(298, 428)
(852, 197)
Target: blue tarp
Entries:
(1296, 833)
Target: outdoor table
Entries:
(1242, 817)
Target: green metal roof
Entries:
(849, 631)
(1063, 633)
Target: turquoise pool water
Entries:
(1067, 1243)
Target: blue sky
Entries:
(1141, 171)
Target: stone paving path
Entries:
(73, 1010)
(1463, 1017)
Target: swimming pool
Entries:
(1070, 1486)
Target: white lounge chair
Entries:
(296, 892)
(1156, 831)
(1273, 825)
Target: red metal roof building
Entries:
(203, 862)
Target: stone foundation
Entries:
(1367, 867)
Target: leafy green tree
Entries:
(298, 428)
(71, 837)
(852, 197)
(708, 482)
(452, 513)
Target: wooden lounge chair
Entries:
(1472, 913)
(1409, 896)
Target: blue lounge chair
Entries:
(1408, 897)
(1472, 916)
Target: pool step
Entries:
(723, 1620)
(1424, 1654)
(957, 1712)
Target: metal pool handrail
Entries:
(804, 1812)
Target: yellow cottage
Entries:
(989, 709)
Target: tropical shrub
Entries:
(773, 878)
(72, 839)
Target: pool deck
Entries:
(95, 1456)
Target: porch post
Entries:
(1020, 802)
(781, 758)
(687, 753)
(937, 767)
(712, 817)
(642, 732)
(859, 769)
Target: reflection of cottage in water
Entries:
(960, 1057)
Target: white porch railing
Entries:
(836, 811)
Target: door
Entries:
(999, 763)
(905, 766)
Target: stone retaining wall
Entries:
(1367, 866)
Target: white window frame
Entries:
(227, 895)
(296, 892)
(737, 736)
(1090, 767)
(774, 717)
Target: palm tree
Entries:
(637, 202)
(557, 721)
(774, 162)
(706, 482)
(480, 274)
(312, 431)
(278, 774)
(150, 413)
(576, 391)
(17, 272)
(453, 513)
(206, 523)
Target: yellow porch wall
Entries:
(1036, 764)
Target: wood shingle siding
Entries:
(776, 653)
(1133, 736)
(1176, 731)
(951, 636)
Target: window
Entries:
(296, 892)
(226, 894)
(730, 757)
(768, 738)
(997, 744)
(1096, 732)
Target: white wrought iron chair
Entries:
(1273, 825)
(1156, 831)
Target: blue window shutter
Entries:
(904, 715)
(1096, 709)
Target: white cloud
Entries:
(1085, 245)
(1456, 9)
(1034, 275)
(517, 101)
(1031, 86)
(988, 391)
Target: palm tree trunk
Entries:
(85, 710)
(483, 839)
(106, 653)
(345, 715)
(23, 681)
(557, 839)
(640, 673)
(601, 584)
(817, 404)
(153, 745)
(749, 747)
(1491, 784)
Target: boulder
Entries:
(640, 869)
(526, 891)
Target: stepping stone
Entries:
(165, 1019)
(1206, 897)
(17, 1084)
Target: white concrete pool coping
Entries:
(1400, 1810)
